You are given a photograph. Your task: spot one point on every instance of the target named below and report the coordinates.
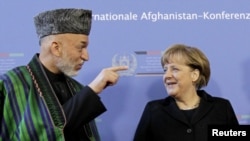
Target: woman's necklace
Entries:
(195, 105)
(191, 107)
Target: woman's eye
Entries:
(175, 69)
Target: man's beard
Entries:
(66, 65)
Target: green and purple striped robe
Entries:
(29, 109)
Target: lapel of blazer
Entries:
(205, 106)
(172, 109)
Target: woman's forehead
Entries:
(176, 58)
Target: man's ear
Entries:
(56, 48)
(195, 75)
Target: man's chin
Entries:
(72, 73)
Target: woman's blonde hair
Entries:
(192, 57)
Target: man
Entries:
(41, 101)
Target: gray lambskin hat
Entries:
(60, 21)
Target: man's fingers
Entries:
(118, 68)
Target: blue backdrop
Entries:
(138, 31)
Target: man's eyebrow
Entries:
(84, 43)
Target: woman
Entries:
(188, 110)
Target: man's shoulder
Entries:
(14, 72)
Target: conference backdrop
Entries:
(135, 33)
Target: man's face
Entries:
(73, 53)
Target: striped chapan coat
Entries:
(29, 108)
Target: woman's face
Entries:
(179, 78)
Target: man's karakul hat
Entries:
(60, 21)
